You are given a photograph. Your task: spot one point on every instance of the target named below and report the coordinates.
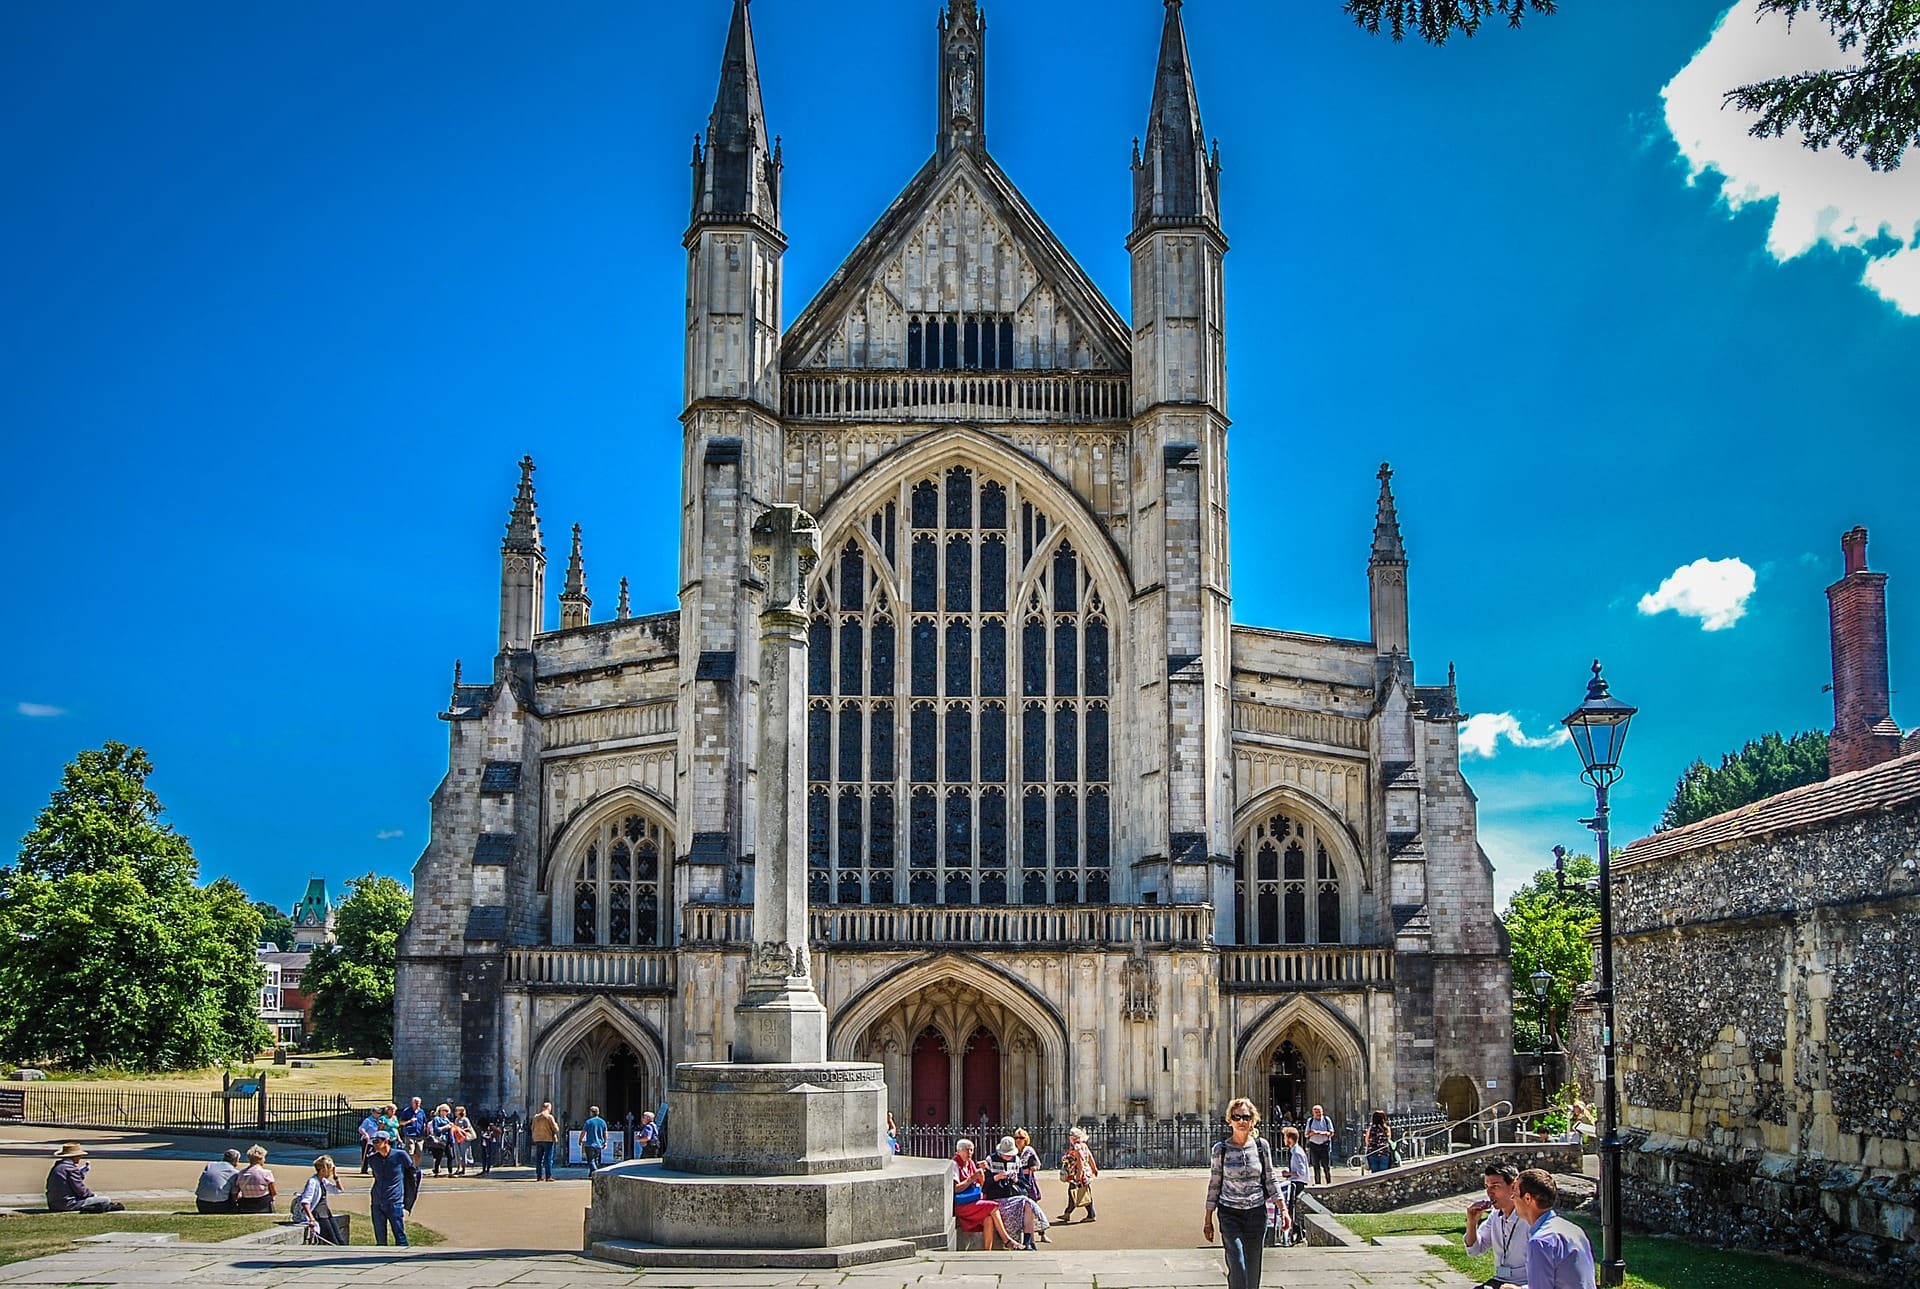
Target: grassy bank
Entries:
(332, 1075)
(1653, 1262)
(36, 1235)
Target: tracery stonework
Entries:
(1077, 844)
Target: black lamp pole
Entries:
(1599, 729)
(1542, 982)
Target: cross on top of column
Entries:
(786, 546)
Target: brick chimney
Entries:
(1863, 730)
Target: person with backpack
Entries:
(1243, 1183)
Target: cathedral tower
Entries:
(733, 442)
(1179, 528)
(523, 568)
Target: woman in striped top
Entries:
(1242, 1185)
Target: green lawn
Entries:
(35, 1235)
(1653, 1262)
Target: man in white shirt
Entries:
(1320, 1145)
(1493, 1227)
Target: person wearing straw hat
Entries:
(67, 1190)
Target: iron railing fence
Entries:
(302, 1117)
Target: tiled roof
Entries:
(493, 848)
(1886, 786)
(297, 961)
(487, 922)
(500, 776)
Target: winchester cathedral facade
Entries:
(1078, 844)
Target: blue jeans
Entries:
(1241, 1232)
(593, 1156)
(1379, 1161)
(543, 1160)
(389, 1213)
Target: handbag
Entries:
(971, 1195)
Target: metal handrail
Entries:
(1492, 1115)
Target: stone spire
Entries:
(736, 175)
(576, 610)
(523, 568)
(1387, 574)
(523, 523)
(963, 80)
(1175, 180)
(624, 609)
(1387, 548)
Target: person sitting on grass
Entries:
(310, 1205)
(254, 1184)
(67, 1190)
(215, 1191)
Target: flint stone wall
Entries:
(1441, 1176)
(1768, 1035)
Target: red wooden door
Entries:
(932, 1081)
(980, 1081)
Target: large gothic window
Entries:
(958, 732)
(1287, 889)
(615, 892)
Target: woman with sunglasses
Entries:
(1242, 1185)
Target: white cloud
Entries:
(1823, 197)
(40, 709)
(388, 834)
(1481, 733)
(1713, 590)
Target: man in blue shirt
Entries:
(413, 1128)
(395, 1175)
(649, 1136)
(593, 1137)
(1559, 1255)
(368, 1126)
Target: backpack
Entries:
(1266, 1159)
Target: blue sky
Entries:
(289, 290)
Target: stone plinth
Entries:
(777, 1120)
(905, 1203)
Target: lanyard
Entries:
(1508, 1228)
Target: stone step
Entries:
(633, 1253)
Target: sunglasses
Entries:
(1241, 1118)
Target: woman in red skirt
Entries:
(972, 1211)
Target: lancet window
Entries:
(958, 737)
(615, 892)
(1288, 885)
(960, 342)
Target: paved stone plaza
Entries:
(298, 1268)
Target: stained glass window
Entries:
(616, 886)
(1276, 901)
(982, 597)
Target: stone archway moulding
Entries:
(1328, 1024)
(859, 1014)
(551, 1048)
(631, 798)
(964, 445)
(1349, 859)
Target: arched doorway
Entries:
(1288, 1086)
(603, 1069)
(980, 1079)
(932, 1100)
(1459, 1097)
(950, 1049)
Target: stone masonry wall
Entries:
(1768, 1031)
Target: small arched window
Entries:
(616, 889)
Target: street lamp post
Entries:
(1542, 982)
(1599, 730)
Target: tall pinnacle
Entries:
(963, 80)
(575, 608)
(737, 174)
(1175, 179)
(624, 609)
(1387, 547)
(523, 525)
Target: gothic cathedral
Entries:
(1078, 845)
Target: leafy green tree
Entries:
(1768, 765)
(1436, 20)
(110, 955)
(1548, 923)
(1870, 109)
(276, 928)
(351, 981)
